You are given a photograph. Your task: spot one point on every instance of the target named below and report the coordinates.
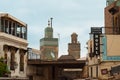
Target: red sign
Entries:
(104, 71)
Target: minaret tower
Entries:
(49, 31)
(74, 46)
(48, 44)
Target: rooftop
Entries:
(3, 14)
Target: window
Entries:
(91, 72)
(18, 31)
(10, 27)
(23, 32)
(12, 61)
(13, 29)
(6, 26)
(2, 24)
(21, 61)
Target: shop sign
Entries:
(104, 71)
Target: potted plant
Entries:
(3, 68)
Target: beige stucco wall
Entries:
(113, 49)
(107, 65)
(7, 39)
(113, 45)
(13, 41)
(17, 71)
(102, 65)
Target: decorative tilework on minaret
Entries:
(49, 45)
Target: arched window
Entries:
(12, 61)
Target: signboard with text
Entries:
(96, 31)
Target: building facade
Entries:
(112, 17)
(103, 47)
(101, 61)
(13, 44)
(74, 46)
(49, 45)
(65, 68)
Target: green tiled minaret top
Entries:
(49, 31)
(111, 1)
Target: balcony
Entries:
(12, 26)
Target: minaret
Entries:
(49, 31)
(74, 46)
(48, 44)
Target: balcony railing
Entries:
(112, 30)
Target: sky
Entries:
(68, 16)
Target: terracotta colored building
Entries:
(112, 17)
(103, 49)
(74, 47)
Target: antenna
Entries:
(51, 21)
(58, 37)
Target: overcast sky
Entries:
(68, 16)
